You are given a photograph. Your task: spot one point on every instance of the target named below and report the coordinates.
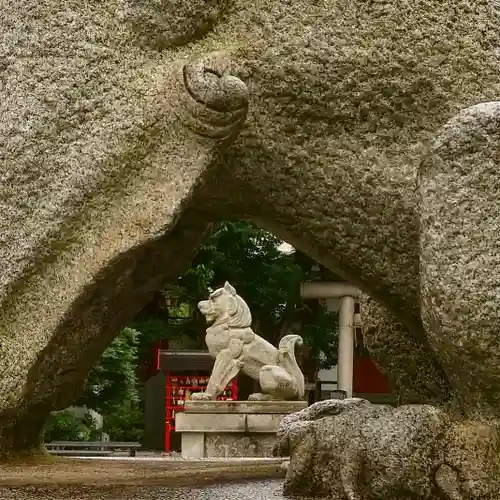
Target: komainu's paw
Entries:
(258, 396)
(201, 396)
(284, 466)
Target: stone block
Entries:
(239, 445)
(193, 445)
(188, 422)
(232, 429)
(263, 423)
(412, 451)
(259, 407)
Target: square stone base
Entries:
(224, 429)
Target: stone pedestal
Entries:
(221, 429)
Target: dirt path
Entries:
(266, 489)
(49, 473)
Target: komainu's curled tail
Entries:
(288, 362)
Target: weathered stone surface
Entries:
(104, 145)
(110, 171)
(170, 23)
(239, 445)
(404, 356)
(353, 449)
(238, 432)
(248, 407)
(460, 253)
(228, 422)
(339, 115)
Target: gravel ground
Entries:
(50, 478)
(269, 489)
(56, 472)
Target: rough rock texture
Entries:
(103, 146)
(404, 356)
(114, 160)
(354, 450)
(460, 253)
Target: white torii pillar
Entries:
(345, 366)
(347, 295)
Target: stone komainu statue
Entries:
(236, 347)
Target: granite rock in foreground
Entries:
(354, 450)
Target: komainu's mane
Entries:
(242, 317)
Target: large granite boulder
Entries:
(105, 146)
(354, 450)
(460, 254)
(119, 146)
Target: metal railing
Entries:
(91, 448)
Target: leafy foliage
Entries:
(269, 281)
(113, 389)
(126, 422)
(113, 379)
(65, 426)
(267, 278)
(250, 260)
(320, 334)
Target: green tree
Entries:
(125, 422)
(320, 333)
(113, 379)
(269, 281)
(250, 260)
(65, 426)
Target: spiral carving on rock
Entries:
(217, 102)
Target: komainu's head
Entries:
(225, 306)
